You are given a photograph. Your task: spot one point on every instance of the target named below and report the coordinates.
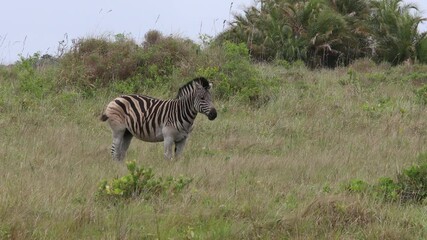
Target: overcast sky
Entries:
(28, 26)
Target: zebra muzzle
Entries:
(212, 114)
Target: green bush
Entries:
(240, 78)
(415, 77)
(159, 62)
(422, 51)
(163, 55)
(376, 110)
(31, 81)
(131, 85)
(95, 62)
(140, 182)
(387, 189)
(413, 183)
(421, 94)
(356, 186)
(410, 186)
(100, 61)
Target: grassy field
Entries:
(271, 172)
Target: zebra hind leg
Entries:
(127, 138)
(121, 141)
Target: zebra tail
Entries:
(103, 117)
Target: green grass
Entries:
(270, 172)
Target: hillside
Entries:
(281, 161)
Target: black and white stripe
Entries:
(155, 120)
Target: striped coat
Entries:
(154, 120)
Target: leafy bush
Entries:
(130, 85)
(237, 66)
(357, 186)
(230, 68)
(140, 182)
(353, 78)
(422, 51)
(410, 186)
(31, 81)
(162, 55)
(364, 65)
(375, 110)
(387, 189)
(421, 94)
(376, 77)
(330, 33)
(99, 61)
(126, 67)
(413, 183)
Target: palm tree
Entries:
(329, 32)
(395, 31)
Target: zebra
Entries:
(154, 120)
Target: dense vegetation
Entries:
(331, 32)
(295, 153)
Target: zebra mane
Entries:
(188, 87)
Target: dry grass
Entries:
(258, 173)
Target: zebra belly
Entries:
(154, 137)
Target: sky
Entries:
(27, 27)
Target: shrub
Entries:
(229, 67)
(31, 81)
(140, 182)
(97, 62)
(100, 61)
(162, 55)
(353, 78)
(421, 94)
(422, 50)
(130, 85)
(336, 213)
(410, 186)
(357, 186)
(387, 189)
(413, 183)
(364, 65)
(375, 110)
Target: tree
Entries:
(395, 31)
(328, 32)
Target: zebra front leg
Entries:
(168, 143)
(179, 147)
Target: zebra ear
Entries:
(210, 85)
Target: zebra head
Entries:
(203, 99)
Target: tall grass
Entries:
(275, 171)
